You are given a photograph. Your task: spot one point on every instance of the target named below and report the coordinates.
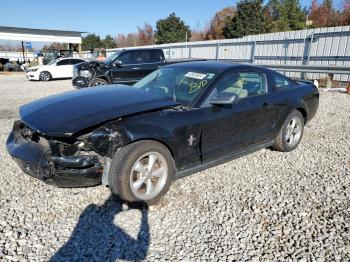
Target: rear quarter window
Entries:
(282, 82)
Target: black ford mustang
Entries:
(176, 121)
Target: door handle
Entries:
(266, 106)
(135, 68)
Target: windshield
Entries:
(183, 85)
(113, 56)
(50, 54)
(51, 62)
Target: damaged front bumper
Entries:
(80, 82)
(36, 160)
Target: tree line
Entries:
(248, 17)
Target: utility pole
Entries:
(24, 59)
(186, 40)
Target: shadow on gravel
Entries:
(97, 238)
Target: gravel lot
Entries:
(265, 206)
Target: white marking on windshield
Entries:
(195, 75)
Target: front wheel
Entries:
(291, 133)
(45, 76)
(141, 172)
(98, 82)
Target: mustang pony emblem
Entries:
(191, 140)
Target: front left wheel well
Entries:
(303, 112)
(155, 140)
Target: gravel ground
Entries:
(265, 206)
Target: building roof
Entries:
(20, 30)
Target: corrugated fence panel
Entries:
(319, 46)
(205, 52)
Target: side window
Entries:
(281, 81)
(145, 57)
(127, 58)
(75, 61)
(243, 84)
(142, 57)
(63, 62)
(156, 56)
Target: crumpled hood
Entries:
(68, 113)
(93, 64)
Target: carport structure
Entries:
(40, 35)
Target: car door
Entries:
(151, 60)
(63, 68)
(246, 123)
(70, 65)
(124, 68)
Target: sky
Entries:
(107, 17)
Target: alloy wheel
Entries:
(293, 131)
(148, 175)
(45, 76)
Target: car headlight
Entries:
(85, 73)
(32, 69)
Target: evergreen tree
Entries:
(286, 15)
(171, 30)
(250, 19)
(109, 42)
(91, 41)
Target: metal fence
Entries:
(14, 56)
(318, 47)
(313, 47)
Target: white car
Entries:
(60, 68)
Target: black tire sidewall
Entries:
(93, 81)
(286, 146)
(122, 163)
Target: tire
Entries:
(45, 76)
(130, 164)
(98, 82)
(291, 132)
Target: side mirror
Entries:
(118, 63)
(224, 98)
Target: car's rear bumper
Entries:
(36, 160)
(80, 82)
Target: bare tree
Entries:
(217, 24)
(145, 35)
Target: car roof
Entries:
(64, 58)
(140, 49)
(213, 66)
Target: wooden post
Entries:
(329, 81)
(79, 50)
(217, 51)
(24, 59)
(348, 90)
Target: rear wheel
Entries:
(98, 82)
(291, 133)
(45, 76)
(141, 172)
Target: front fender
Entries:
(107, 139)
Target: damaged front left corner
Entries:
(50, 162)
